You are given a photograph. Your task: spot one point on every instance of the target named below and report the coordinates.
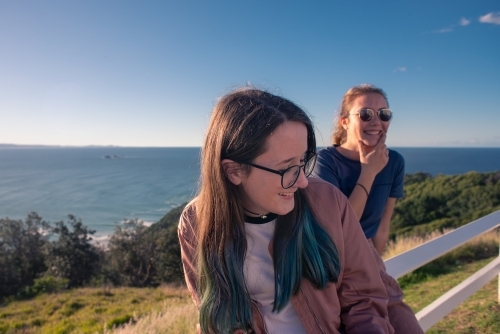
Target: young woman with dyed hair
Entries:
(371, 176)
(264, 249)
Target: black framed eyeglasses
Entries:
(366, 114)
(290, 175)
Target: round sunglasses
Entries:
(366, 114)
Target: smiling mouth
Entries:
(286, 194)
(373, 132)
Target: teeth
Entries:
(285, 194)
(373, 132)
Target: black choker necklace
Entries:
(263, 216)
(263, 219)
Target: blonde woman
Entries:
(371, 176)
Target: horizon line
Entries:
(9, 145)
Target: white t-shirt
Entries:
(259, 276)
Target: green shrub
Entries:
(49, 284)
(72, 256)
(21, 252)
(444, 201)
(45, 284)
(143, 256)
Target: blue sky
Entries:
(133, 73)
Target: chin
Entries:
(285, 209)
(370, 142)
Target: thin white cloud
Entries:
(443, 30)
(463, 22)
(492, 17)
(400, 69)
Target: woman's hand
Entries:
(372, 162)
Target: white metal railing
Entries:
(408, 261)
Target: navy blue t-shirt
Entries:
(343, 173)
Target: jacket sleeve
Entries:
(188, 241)
(362, 295)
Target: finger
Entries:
(386, 153)
(361, 148)
(381, 140)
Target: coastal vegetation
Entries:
(54, 279)
(444, 201)
(38, 257)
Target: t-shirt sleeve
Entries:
(325, 168)
(397, 190)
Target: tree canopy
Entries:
(444, 201)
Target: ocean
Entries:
(104, 186)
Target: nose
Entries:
(302, 181)
(375, 119)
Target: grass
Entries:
(169, 309)
(404, 243)
(480, 313)
(87, 310)
(178, 319)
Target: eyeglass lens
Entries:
(291, 175)
(366, 114)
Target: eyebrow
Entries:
(285, 161)
(374, 108)
(289, 160)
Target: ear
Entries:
(233, 171)
(344, 121)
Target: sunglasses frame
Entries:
(371, 113)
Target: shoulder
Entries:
(331, 156)
(396, 164)
(396, 156)
(331, 209)
(326, 163)
(323, 194)
(318, 185)
(188, 221)
(328, 152)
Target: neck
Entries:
(352, 151)
(261, 215)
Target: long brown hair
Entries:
(339, 133)
(238, 130)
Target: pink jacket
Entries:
(358, 300)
